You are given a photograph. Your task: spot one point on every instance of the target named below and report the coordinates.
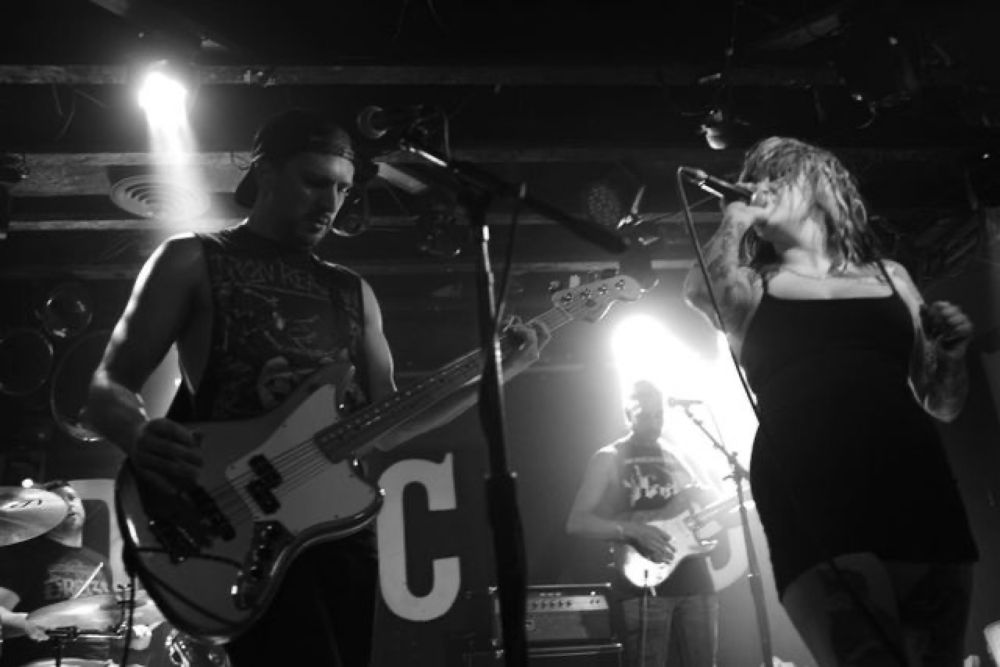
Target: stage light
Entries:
(165, 87)
(163, 96)
(723, 130)
(645, 350)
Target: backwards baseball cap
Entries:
(290, 132)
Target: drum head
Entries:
(71, 381)
(25, 361)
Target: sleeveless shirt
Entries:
(278, 315)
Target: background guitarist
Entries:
(254, 312)
(637, 474)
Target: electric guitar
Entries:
(212, 558)
(685, 531)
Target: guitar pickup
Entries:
(266, 478)
(264, 471)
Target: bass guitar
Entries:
(687, 531)
(212, 558)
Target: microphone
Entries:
(375, 122)
(717, 187)
(683, 402)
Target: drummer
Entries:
(49, 569)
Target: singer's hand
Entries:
(745, 215)
(947, 327)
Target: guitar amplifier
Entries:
(590, 655)
(563, 614)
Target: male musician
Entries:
(50, 569)
(254, 312)
(639, 473)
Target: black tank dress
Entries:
(845, 459)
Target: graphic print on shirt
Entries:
(65, 577)
(277, 328)
(652, 480)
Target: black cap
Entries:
(290, 132)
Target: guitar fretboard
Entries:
(342, 439)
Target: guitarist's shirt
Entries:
(278, 316)
(43, 572)
(651, 478)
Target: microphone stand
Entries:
(739, 473)
(479, 188)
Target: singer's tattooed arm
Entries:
(737, 288)
(938, 375)
(941, 382)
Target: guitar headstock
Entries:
(591, 301)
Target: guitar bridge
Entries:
(184, 525)
(269, 538)
(177, 542)
(212, 517)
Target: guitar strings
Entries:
(302, 461)
(290, 462)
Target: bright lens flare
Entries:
(164, 99)
(645, 349)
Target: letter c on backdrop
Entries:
(439, 480)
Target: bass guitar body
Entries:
(212, 557)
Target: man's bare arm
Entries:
(380, 369)
(157, 311)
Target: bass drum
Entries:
(173, 648)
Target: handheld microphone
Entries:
(374, 122)
(717, 187)
(683, 402)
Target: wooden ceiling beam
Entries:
(444, 75)
(86, 173)
(129, 271)
(639, 76)
(211, 223)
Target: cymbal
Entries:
(28, 513)
(96, 613)
(146, 612)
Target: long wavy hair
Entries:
(833, 190)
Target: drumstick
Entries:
(89, 579)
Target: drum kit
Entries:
(26, 513)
